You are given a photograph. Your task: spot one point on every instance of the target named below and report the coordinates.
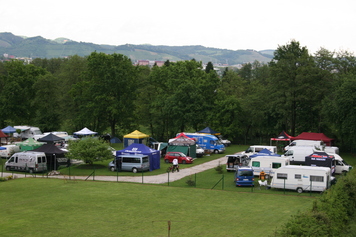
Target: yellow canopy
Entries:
(136, 135)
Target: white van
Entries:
(300, 178)
(27, 161)
(132, 163)
(297, 154)
(318, 144)
(9, 151)
(268, 164)
(27, 132)
(257, 148)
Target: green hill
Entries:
(34, 47)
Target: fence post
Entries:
(2, 168)
(168, 177)
(284, 186)
(142, 175)
(223, 181)
(195, 180)
(311, 187)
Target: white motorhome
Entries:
(268, 164)
(318, 144)
(341, 166)
(27, 161)
(302, 178)
(257, 148)
(9, 150)
(27, 132)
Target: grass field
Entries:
(42, 207)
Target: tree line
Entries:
(295, 92)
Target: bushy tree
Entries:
(89, 150)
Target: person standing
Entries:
(175, 165)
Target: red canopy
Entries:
(283, 136)
(313, 136)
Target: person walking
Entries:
(175, 165)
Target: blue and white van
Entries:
(244, 176)
(207, 142)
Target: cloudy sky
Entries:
(226, 24)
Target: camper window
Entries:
(298, 176)
(315, 178)
(282, 176)
(39, 160)
(43, 159)
(258, 149)
(255, 163)
(144, 159)
(276, 165)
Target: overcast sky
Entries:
(226, 24)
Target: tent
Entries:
(29, 144)
(137, 148)
(51, 139)
(283, 136)
(264, 152)
(55, 156)
(85, 132)
(115, 140)
(134, 137)
(208, 130)
(3, 136)
(8, 129)
(314, 136)
(184, 144)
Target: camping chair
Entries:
(262, 183)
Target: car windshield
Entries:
(183, 155)
(245, 173)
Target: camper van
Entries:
(27, 161)
(302, 178)
(9, 150)
(27, 132)
(268, 164)
(207, 142)
(318, 144)
(257, 148)
(132, 163)
(236, 160)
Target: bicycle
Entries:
(172, 168)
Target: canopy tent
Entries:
(314, 137)
(264, 152)
(2, 148)
(115, 140)
(29, 144)
(8, 130)
(134, 137)
(321, 158)
(4, 137)
(184, 144)
(55, 156)
(137, 148)
(208, 130)
(51, 139)
(283, 136)
(85, 132)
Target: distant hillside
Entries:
(35, 47)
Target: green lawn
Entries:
(42, 207)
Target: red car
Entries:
(182, 158)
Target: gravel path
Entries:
(155, 179)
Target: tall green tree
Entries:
(107, 93)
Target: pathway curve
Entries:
(154, 179)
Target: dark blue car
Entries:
(244, 176)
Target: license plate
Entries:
(245, 179)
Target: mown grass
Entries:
(39, 207)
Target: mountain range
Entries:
(33, 47)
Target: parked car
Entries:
(200, 151)
(182, 158)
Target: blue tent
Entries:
(264, 152)
(115, 140)
(209, 131)
(137, 148)
(8, 129)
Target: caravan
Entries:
(207, 142)
(27, 132)
(302, 178)
(268, 164)
(257, 148)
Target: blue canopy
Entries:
(138, 148)
(209, 131)
(2, 148)
(264, 152)
(8, 129)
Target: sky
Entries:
(224, 24)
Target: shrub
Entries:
(219, 169)
(190, 181)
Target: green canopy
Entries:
(30, 144)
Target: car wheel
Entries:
(134, 170)
(216, 151)
(112, 168)
(299, 190)
(184, 162)
(166, 160)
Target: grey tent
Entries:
(51, 139)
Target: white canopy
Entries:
(85, 131)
